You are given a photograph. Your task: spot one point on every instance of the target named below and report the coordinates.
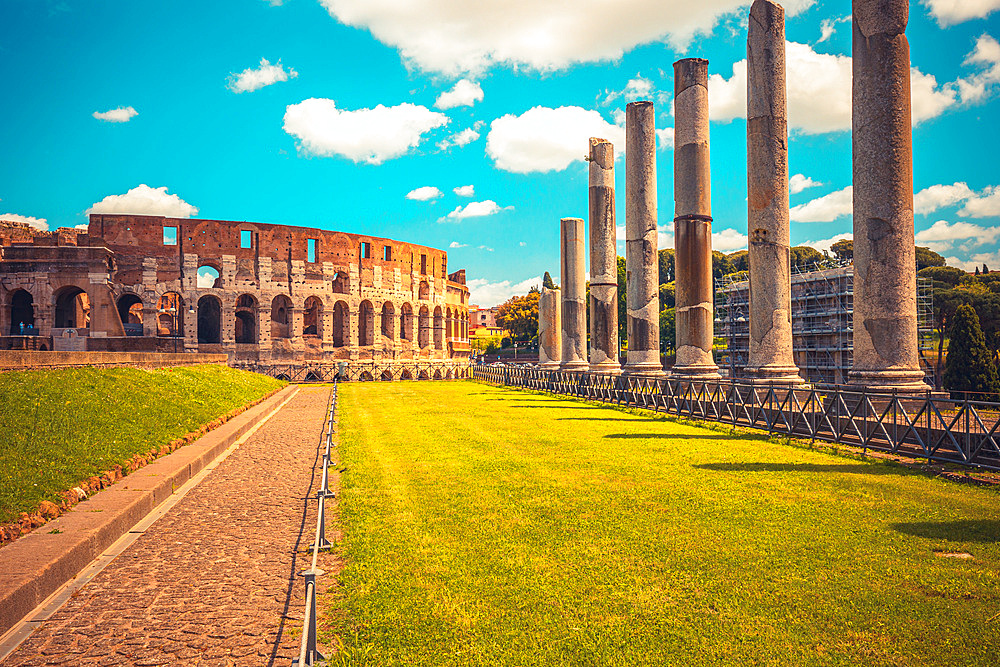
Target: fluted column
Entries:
(885, 282)
(603, 260)
(693, 222)
(641, 262)
(771, 358)
(549, 329)
(574, 315)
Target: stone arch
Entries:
(406, 322)
(424, 291)
(449, 320)
(341, 324)
(438, 329)
(366, 324)
(341, 283)
(281, 317)
(388, 320)
(209, 319)
(22, 313)
(72, 308)
(209, 276)
(130, 311)
(312, 317)
(170, 320)
(386, 376)
(246, 319)
(424, 328)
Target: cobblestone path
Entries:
(214, 581)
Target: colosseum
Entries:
(290, 301)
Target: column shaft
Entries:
(603, 260)
(549, 329)
(642, 297)
(771, 358)
(574, 314)
(692, 222)
(885, 305)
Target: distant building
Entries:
(822, 323)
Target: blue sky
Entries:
(367, 115)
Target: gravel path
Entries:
(213, 582)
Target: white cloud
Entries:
(522, 244)
(936, 197)
(464, 93)
(819, 92)
(119, 115)
(364, 135)
(545, 139)
(465, 191)
(144, 200)
(424, 193)
(487, 294)
(274, 3)
(639, 88)
(251, 79)
(466, 136)
(826, 208)
(665, 138)
(977, 87)
(829, 26)
(799, 182)
(41, 224)
(950, 12)
(486, 248)
(458, 37)
(983, 205)
(942, 235)
(475, 209)
(456, 244)
(824, 244)
(728, 240)
(206, 277)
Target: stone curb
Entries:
(37, 564)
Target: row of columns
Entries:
(885, 352)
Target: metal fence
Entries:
(309, 655)
(922, 426)
(360, 371)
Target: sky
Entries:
(462, 125)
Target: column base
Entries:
(549, 366)
(776, 375)
(644, 370)
(888, 381)
(696, 373)
(606, 368)
(574, 366)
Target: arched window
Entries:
(341, 283)
(281, 317)
(312, 317)
(366, 324)
(424, 291)
(209, 320)
(208, 277)
(388, 320)
(424, 328)
(341, 324)
(438, 330)
(130, 311)
(170, 321)
(246, 319)
(72, 308)
(406, 322)
(22, 314)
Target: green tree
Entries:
(668, 330)
(547, 281)
(667, 295)
(843, 249)
(721, 265)
(740, 260)
(622, 303)
(970, 367)
(927, 257)
(665, 265)
(519, 315)
(949, 276)
(803, 256)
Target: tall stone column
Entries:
(641, 262)
(693, 222)
(549, 330)
(574, 315)
(603, 260)
(885, 303)
(771, 358)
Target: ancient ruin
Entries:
(771, 357)
(603, 260)
(574, 313)
(549, 329)
(266, 295)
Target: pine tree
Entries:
(969, 366)
(547, 281)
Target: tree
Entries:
(740, 260)
(667, 295)
(721, 265)
(668, 330)
(945, 275)
(665, 265)
(547, 281)
(519, 315)
(927, 257)
(843, 249)
(970, 367)
(622, 303)
(803, 256)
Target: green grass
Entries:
(60, 427)
(487, 526)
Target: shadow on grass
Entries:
(855, 468)
(560, 407)
(986, 531)
(682, 436)
(611, 419)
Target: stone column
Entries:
(641, 265)
(603, 260)
(885, 302)
(771, 358)
(693, 222)
(549, 330)
(574, 315)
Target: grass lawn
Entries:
(59, 427)
(489, 526)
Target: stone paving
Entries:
(214, 581)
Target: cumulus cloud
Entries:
(981, 85)
(488, 294)
(363, 135)
(454, 38)
(424, 193)
(144, 200)
(639, 88)
(465, 137)
(252, 79)
(819, 92)
(829, 26)
(119, 115)
(465, 191)
(942, 235)
(976, 261)
(950, 12)
(728, 240)
(664, 138)
(464, 93)
(826, 208)
(799, 182)
(546, 139)
(824, 244)
(456, 244)
(41, 224)
(475, 209)
(936, 197)
(983, 205)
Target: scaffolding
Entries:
(822, 322)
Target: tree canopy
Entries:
(970, 371)
(519, 315)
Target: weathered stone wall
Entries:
(19, 360)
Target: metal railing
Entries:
(308, 653)
(922, 426)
